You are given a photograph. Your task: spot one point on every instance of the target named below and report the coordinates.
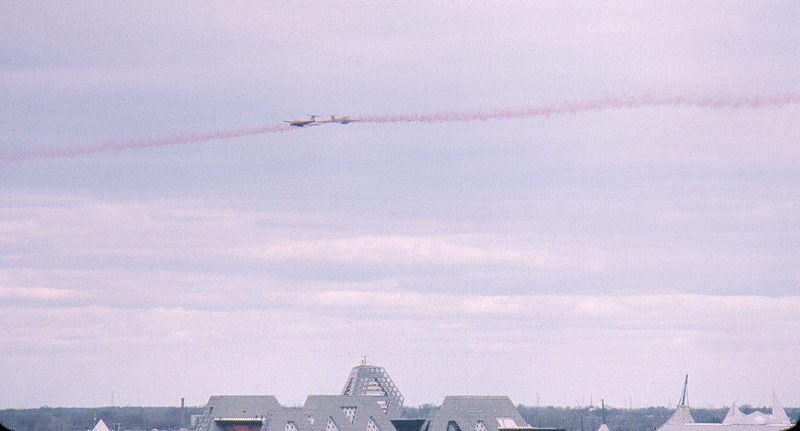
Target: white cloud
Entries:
(34, 293)
(661, 334)
(403, 250)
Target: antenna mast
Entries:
(684, 395)
(603, 404)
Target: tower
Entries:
(682, 413)
(370, 380)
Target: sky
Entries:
(554, 201)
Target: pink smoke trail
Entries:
(720, 102)
(140, 144)
(711, 102)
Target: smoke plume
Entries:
(146, 143)
(594, 105)
(709, 102)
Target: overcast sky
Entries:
(555, 259)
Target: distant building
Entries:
(238, 413)
(778, 416)
(369, 380)
(100, 426)
(735, 420)
(471, 413)
(370, 401)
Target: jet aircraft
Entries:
(302, 123)
(342, 120)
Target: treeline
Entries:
(83, 419)
(169, 418)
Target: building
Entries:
(238, 412)
(735, 420)
(370, 401)
(777, 417)
(470, 413)
(100, 426)
(369, 380)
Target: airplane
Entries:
(301, 123)
(342, 120)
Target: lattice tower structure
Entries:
(370, 380)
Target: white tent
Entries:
(778, 413)
(100, 426)
(778, 416)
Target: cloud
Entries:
(610, 251)
(402, 250)
(43, 293)
(666, 333)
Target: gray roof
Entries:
(476, 413)
(368, 403)
(320, 413)
(332, 413)
(222, 409)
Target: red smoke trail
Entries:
(593, 105)
(712, 102)
(139, 144)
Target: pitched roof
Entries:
(100, 426)
(230, 408)
(682, 415)
(241, 406)
(332, 413)
(476, 413)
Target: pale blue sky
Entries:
(594, 254)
